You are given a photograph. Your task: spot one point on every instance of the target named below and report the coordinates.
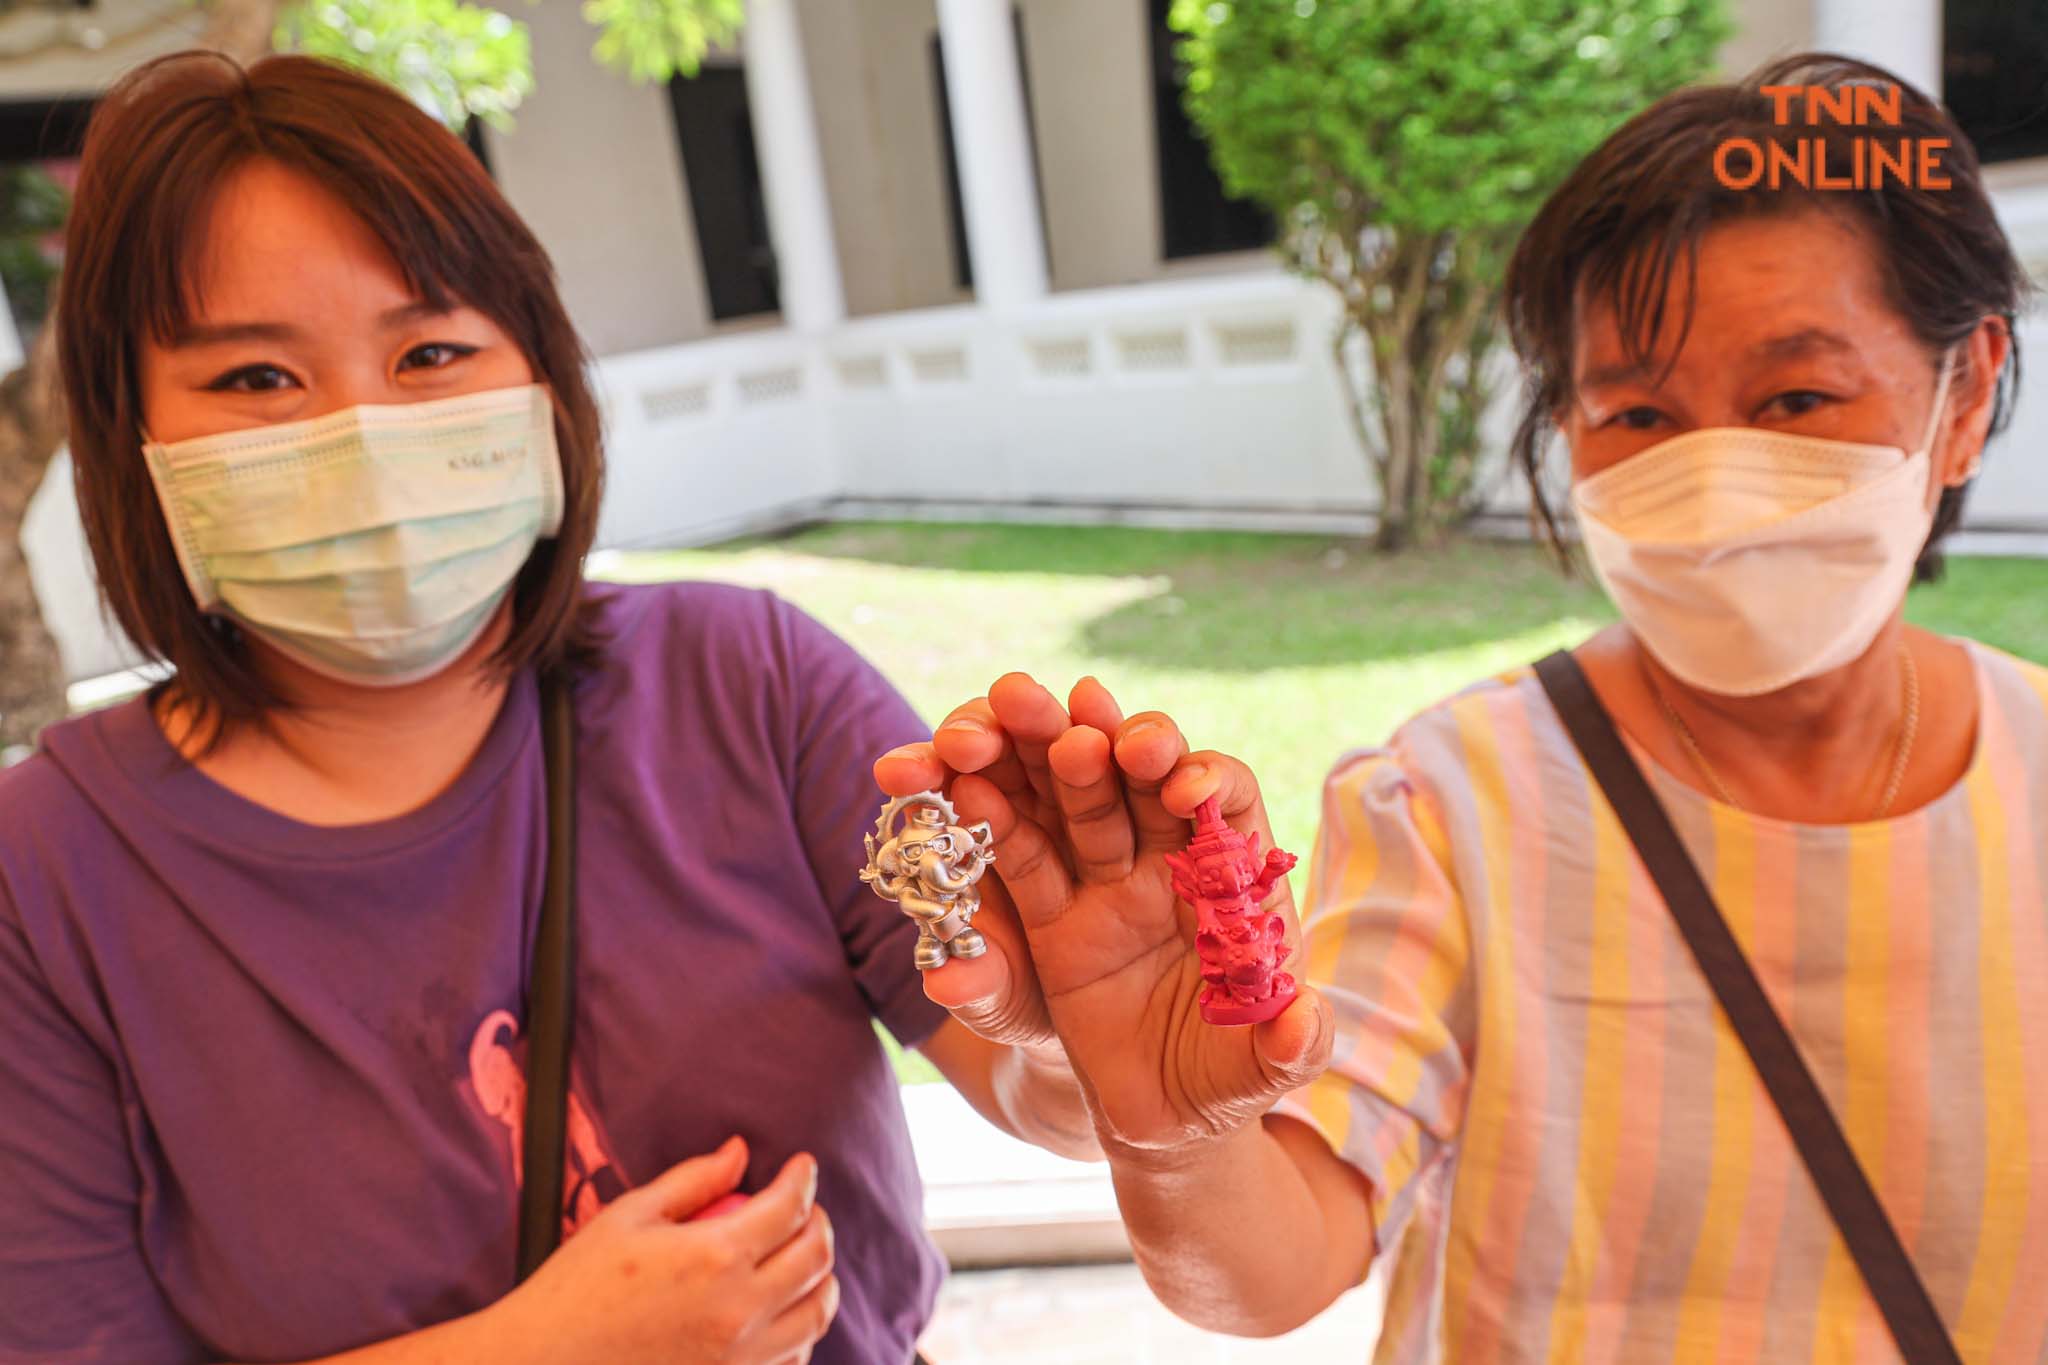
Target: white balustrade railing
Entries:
(1210, 396)
(1203, 401)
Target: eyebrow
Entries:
(223, 333)
(1805, 341)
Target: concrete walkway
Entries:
(1104, 1315)
(1012, 1219)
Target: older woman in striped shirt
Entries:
(1510, 1076)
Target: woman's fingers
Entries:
(1293, 1047)
(1198, 776)
(996, 995)
(779, 1212)
(1027, 860)
(688, 1186)
(1034, 718)
(972, 740)
(1091, 798)
(799, 1265)
(910, 769)
(968, 740)
(1148, 746)
(1091, 704)
(790, 1335)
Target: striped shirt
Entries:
(1570, 1155)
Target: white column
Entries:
(792, 168)
(1903, 36)
(998, 183)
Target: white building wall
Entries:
(592, 166)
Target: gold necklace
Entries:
(1901, 753)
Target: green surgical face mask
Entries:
(373, 544)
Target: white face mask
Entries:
(372, 544)
(1747, 560)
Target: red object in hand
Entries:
(1240, 944)
(723, 1204)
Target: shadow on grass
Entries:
(1238, 602)
(1001, 547)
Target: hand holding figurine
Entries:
(1089, 812)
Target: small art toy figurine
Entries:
(1241, 945)
(929, 868)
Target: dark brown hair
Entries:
(159, 147)
(1618, 225)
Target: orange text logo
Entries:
(1743, 162)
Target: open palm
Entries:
(1092, 945)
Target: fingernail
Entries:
(1194, 772)
(966, 727)
(811, 1185)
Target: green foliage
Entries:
(1403, 145)
(32, 206)
(656, 40)
(455, 60)
(460, 60)
(1426, 114)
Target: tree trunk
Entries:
(31, 431)
(1421, 303)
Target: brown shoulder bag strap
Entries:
(1850, 1200)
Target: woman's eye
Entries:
(1799, 402)
(253, 379)
(433, 355)
(1635, 419)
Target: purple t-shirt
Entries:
(260, 1082)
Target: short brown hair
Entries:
(158, 148)
(1618, 224)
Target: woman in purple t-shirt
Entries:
(264, 932)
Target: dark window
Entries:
(716, 135)
(1199, 219)
(42, 130)
(963, 257)
(1995, 74)
(39, 146)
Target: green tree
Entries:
(1403, 145)
(456, 59)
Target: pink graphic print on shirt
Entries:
(591, 1176)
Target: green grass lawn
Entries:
(1285, 650)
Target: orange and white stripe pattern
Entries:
(1571, 1156)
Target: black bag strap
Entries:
(1851, 1202)
(551, 992)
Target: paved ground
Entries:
(988, 1196)
(1104, 1315)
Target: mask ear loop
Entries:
(1937, 486)
(1926, 446)
(1976, 460)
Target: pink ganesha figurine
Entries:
(1240, 944)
